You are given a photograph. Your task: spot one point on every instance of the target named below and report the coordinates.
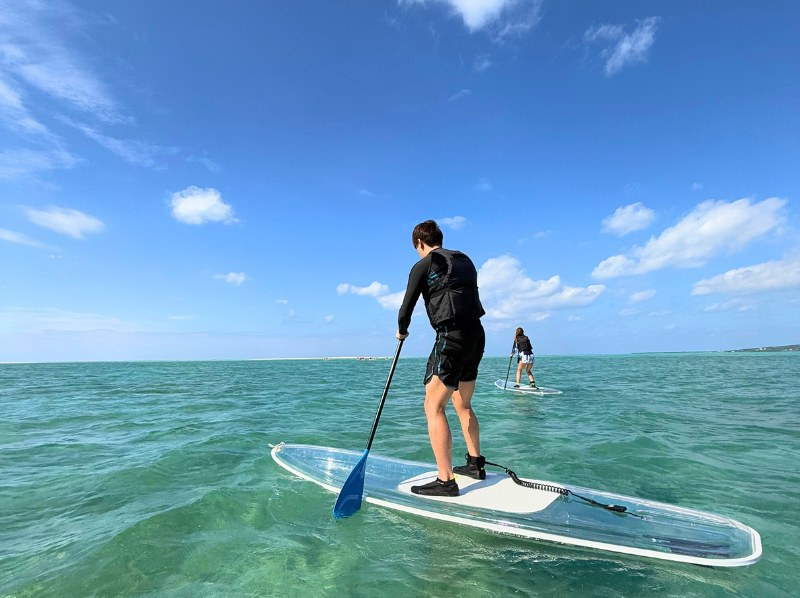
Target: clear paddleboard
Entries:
(645, 529)
(526, 388)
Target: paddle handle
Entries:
(385, 392)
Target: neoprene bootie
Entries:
(437, 488)
(473, 468)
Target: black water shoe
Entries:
(473, 469)
(437, 488)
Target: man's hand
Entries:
(401, 337)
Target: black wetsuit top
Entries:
(419, 280)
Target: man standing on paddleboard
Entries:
(448, 282)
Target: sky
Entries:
(233, 180)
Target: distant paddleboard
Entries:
(526, 388)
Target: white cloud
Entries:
(19, 238)
(374, 289)
(640, 296)
(623, 49)
(395, 300)
(282, 301)
(65, 221)
(713, 227)
(627, 219)
(236, 278)
(198, 206)
(328, 318)
(454, 223)
(769, 276)
(506, 17)
(508, 293)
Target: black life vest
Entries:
(524, 345)
(452, 296)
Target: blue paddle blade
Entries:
(349, 499)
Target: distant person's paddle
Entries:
(349, 499)
(508, 371)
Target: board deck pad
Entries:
(497, 492)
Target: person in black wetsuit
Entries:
(525, 360)
(448, 282)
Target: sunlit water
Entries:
(155, 479)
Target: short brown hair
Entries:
(429, 233)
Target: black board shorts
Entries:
(456, 354)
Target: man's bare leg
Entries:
(436, 397)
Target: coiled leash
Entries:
(563, 492)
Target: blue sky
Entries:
(217, 180)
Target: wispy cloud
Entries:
(65, 221)
(460, 95)
(17, 163)
(48, 319)
(640, 296)
(453, 223)
(713, 227)
(484, 185)
(627, 219)
(208, 163)
(36, 54)
(20, 239)
(133, 151)
(374, 289)
(194, 205)
(482, 63)
(737, 304)
(769, 276)
(622, 49)
(236, 278)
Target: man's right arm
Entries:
(416, 279)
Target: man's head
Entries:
(428, 232)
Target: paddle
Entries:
(508, 371)
(349, 499)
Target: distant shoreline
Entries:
(776, 349)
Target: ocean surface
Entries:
(155, 478)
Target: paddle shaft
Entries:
(509, 370)
(385, 392)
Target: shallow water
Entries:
(154, 479)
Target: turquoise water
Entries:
(155, 479)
